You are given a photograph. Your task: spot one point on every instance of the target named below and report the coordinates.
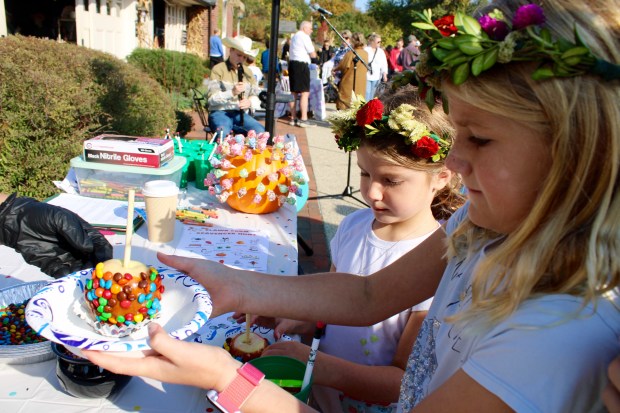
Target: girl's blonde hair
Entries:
(570, 241)
(395, 150)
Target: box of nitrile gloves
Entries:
(129, 150)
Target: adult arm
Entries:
(328, 297)
(53, 238)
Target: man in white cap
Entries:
(228, 97)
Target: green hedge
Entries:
(53, 96)
(175, 71)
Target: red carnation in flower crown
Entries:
(370, 112)
(425, 147)
(446, 25)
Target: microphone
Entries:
(321, 10)
(240, 79)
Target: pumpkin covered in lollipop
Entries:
(254, 177)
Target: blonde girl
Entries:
(408, 192)
(526, 315)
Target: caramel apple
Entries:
(245, 347)
(119, 295)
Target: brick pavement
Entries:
(310, 221)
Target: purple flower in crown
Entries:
(236, 149)
(528, 15)
(496, 29)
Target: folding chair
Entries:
(200, 105)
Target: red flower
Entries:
(371, 111)
(425, 147)
(446, 25)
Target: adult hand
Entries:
(611, 394)
(173, 361)
(238, 88)
(245, 104)
(53, 238)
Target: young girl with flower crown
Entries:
(408, 189)
(526, 312)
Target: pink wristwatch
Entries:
(238, 391)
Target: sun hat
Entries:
(241, 43)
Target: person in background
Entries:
(258, 74)
(264, 61)
(50, 237)
(227, 97)
(216, 49)
(526, 311)
(359, 369)
(301, 51)
(327, 51)
(378, 65)
(352, 74)
(394, 55)
(338, 56)
(410, 55)
(286, 48)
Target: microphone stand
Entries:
(240, 79)
(348, 190)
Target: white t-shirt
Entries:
(549, 356)
(377, 62)
(301, 47)
(356, 249)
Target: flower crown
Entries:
(464, 46)
(366, 120)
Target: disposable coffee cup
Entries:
(286, 372)
(160, 198)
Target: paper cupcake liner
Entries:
(105, 329)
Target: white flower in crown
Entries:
(257, 199)
(260, 171)
(244, 173)
(242, 192)
(271, 196)
(273, 177)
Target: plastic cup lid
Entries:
(160, 188)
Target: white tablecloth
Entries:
(316, 101)
(35, 388)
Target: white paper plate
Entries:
(185, 307)
(24, 353)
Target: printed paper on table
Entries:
(239, 248)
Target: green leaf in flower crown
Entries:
(424, 26)
(575, 51)
(484, 61)
(446, 43)
(430, 98)
(545, 34)
(439, 53)
(451, 56)
(468, 44)
(468, 24)
(541, 73)
(461, 73)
